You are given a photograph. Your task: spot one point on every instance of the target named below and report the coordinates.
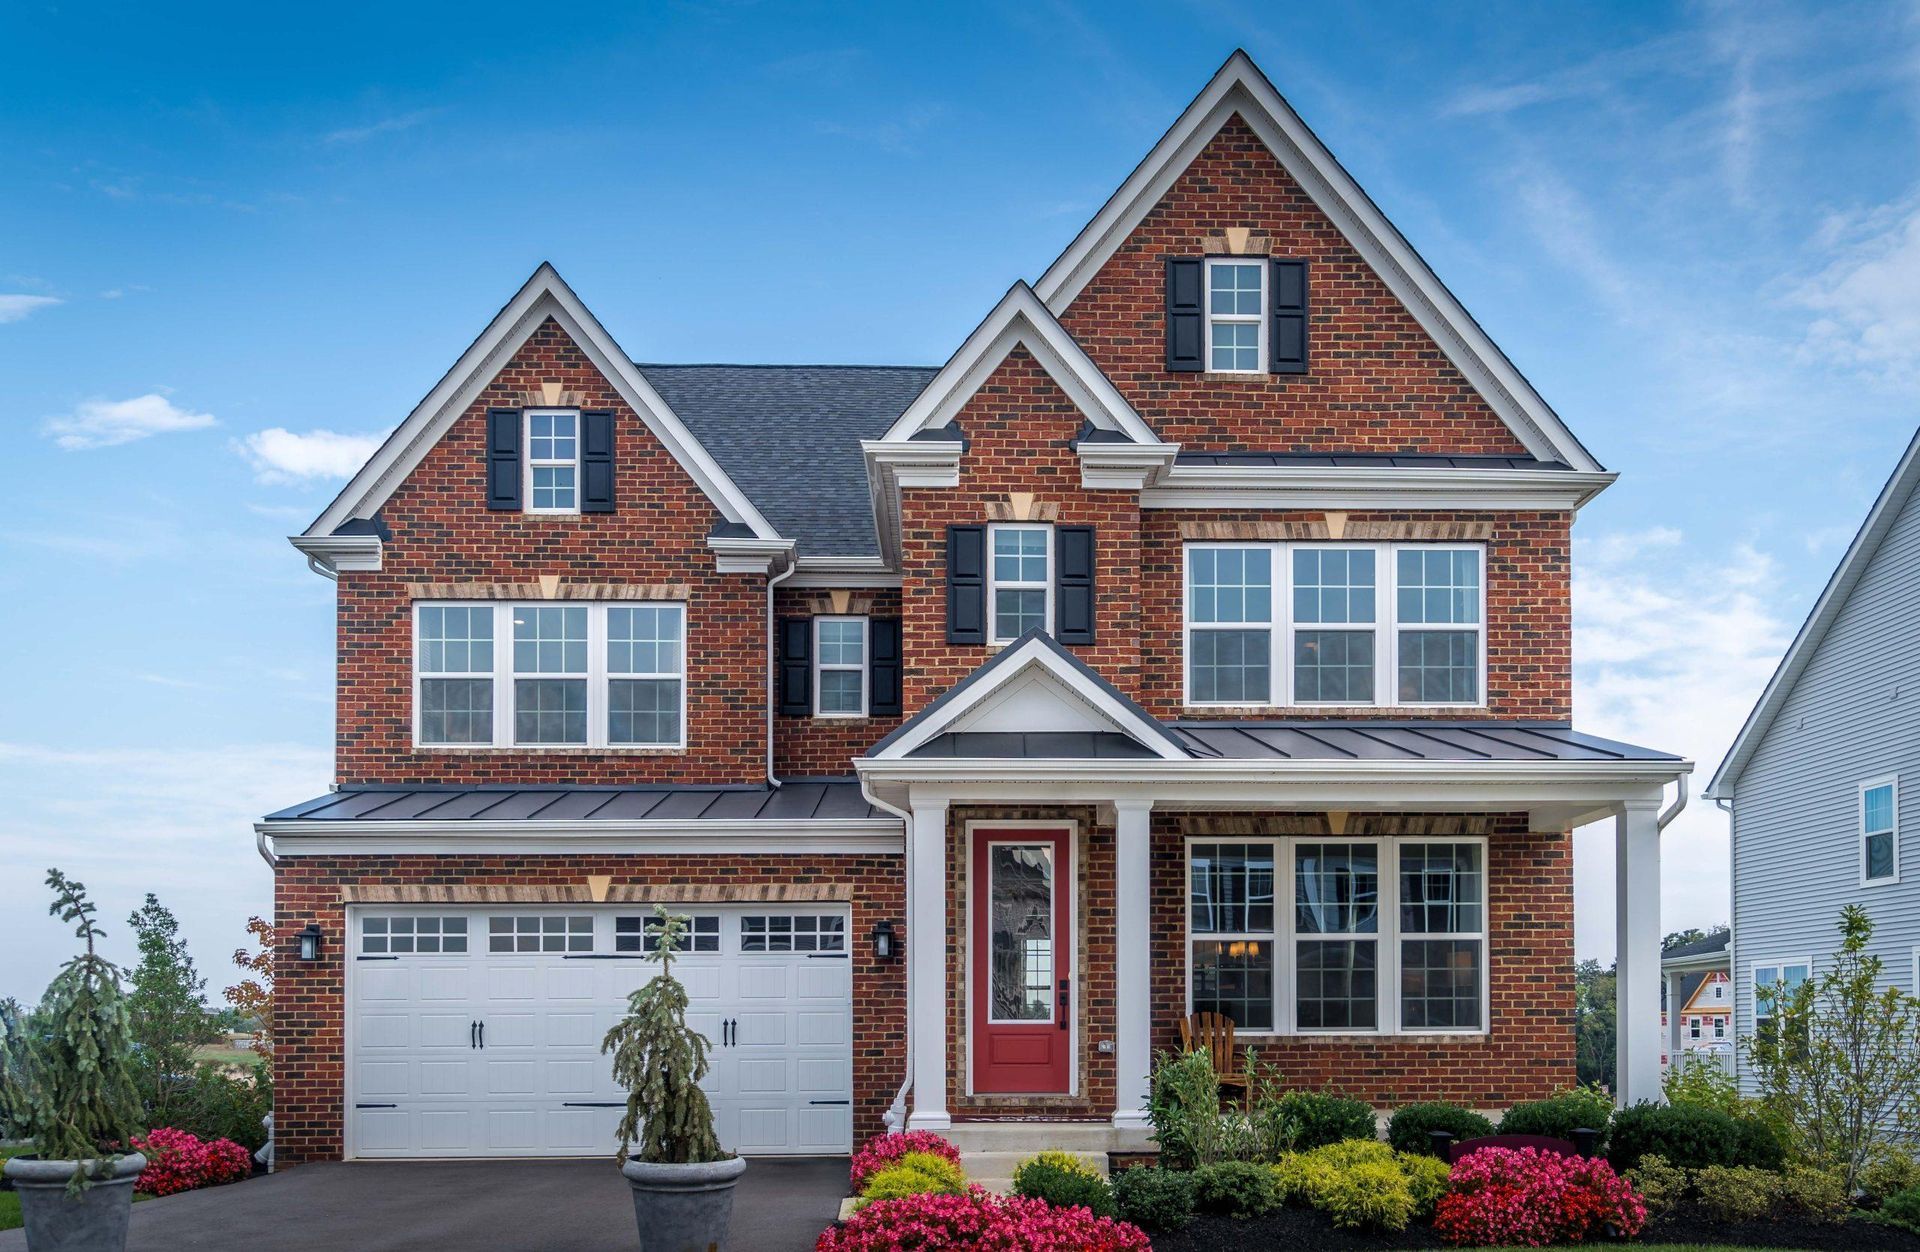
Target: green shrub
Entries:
(1582, 1108)
(1661, 1185)
(1736, 1193)
(1372, 1195)
(1902, 1209)
(1154, 1199)
(1702, 1082)
(1427, 1178)
(1687, 1135)
(1362, 1183)
(1064, 1186)
(1759, 1146)
(1816, 1193)
(1184, 1107)
(1411, 1129)
(1235, 1189)
(1059, 1160)
(1314, 1119)
(1889, 1170)
(916, 1173)
(217, 1105)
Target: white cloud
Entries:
(1671, 649)
(17, 308)
(1868, 294)
(126, 821)
(104, 423)
(280, 456)
(384, 126)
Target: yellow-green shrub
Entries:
(916, 1173)
(1817, 1193)
(1736, 1193)
(1661, 1185)
(1362, 1183)
(1427, 1178)
(1057, 1160)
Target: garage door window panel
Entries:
(525, 933)
(642, 934)
(790, 932)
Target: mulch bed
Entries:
(1307, 1230)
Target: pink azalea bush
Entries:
(178, 1161)
(884, 1150)
(979, 1222)
(1508, 1197)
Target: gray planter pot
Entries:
(683, 1208)
(93, 1221)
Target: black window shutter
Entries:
(596, 461)
(883, 667)
(1289, 333)
(1186, 315)
(966, 584)
(503, 458)
(796, 666)
(1073, 584)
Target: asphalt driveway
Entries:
(780, 1205)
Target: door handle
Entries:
(473, 1034)
(1065, 984)
(483, 1036)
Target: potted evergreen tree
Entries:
(682, 1181)
(66, 1083)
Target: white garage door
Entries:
(476, 1031)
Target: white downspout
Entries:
(896, 1115)
(1674, 809)
(773, 662)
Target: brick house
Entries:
(1197, 638)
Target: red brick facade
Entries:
(824, 747)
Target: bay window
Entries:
(565, 675)
(1339, 936)
(1286, 624)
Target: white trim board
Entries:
(544, 295)
(1239, 87)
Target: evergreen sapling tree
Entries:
(661, 1062)
(169, 1014)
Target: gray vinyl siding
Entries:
(1853, 715)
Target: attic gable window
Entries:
(1236, 316)
(553, 461)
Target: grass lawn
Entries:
(227, 1056)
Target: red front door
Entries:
(1022, 961)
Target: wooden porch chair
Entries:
(1212, 1033)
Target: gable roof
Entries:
(790, 436)
(544, 295)
(1886, 511)
(1021, 320)
(1240, 88)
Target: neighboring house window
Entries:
(1236, 316)
(1880, 831)
(540, 934)
(400, 935)
(645, 668)
(565, 675)
(840, 666)
(553, 461)
(1376, 936)
(1719, 1028)
(1719, 990)
(1352, 624)
(454, 660)
(1021, 580)
(1693, 1027)
(702, 934)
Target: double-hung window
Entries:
(1020, 576)
(1774, 982)
(1339, 936)
(561, 675)
(1280, 624)
(840, 666)
(553, 461)
(1880, 831)
(1236, 316)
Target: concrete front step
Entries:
(1027, 1138)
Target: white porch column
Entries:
(1673, 1017)
(927, 966)
(1133, 942)
(1637, 947)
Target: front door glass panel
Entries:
(1021, 918)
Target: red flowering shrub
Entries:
(884, 1150)
(978, 1222)
(1505, 1197)
(178, 1161)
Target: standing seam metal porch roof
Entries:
(1404, 739)
(799, 799)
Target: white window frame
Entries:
(526, 442)
(1387, 627)
(421, 674)
(584, 677)
(864, 668)
(1753, 978)
(1258, 320)
(1860, 819)
(597, 677)
(1286, 935)
(995, 586)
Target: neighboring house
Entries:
(1819, 780)
(1198, 637)
(1697, 983)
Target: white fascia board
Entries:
(340, 553)
(1708, 962)
(1241, 88)
(857, 572)
(1543, 779)
(747, 556)
(915, 462)
(1020, 320)
(1363, 487)
(1126, 466)
(373, 838)
(1880, 519)
(544, 295)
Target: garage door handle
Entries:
(829, 1101)
(473, 1034)
(594, 1104)
(483, 1036)
(376, 1106)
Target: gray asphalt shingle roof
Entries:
(797, 799)
(790, 435)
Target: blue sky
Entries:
(237, 245)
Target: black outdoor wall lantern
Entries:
(885, 945)
(310, 942)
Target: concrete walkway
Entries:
(781, 1205)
